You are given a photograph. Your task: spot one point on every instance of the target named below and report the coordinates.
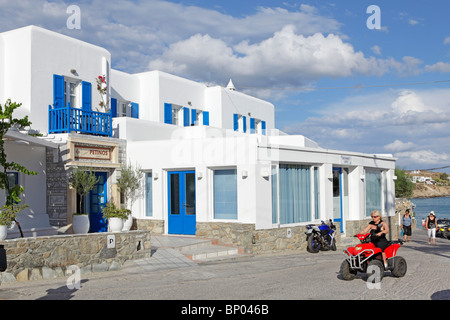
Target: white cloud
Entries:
(398, 145)
(376, 49)
(408, 101)
(442, 67)
(285, 59)
(148, 27)
(411, 124)
(424, 157)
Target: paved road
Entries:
(275, 277)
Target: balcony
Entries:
(66, 120)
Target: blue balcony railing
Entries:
(66, 120)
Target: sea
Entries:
(440, 206)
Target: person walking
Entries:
(406, 225)
(431, 225)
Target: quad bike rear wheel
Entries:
(400, 267)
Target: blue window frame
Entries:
(225, 194)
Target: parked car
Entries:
(443, 228)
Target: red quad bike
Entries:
(365, 255)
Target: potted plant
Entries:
(129, 186)
(8, 215)
(115, 216)
(83, 181)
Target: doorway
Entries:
(337, 197)
(97, 201)
(181, 202)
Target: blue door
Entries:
(97, 200)
(337, 196)
(181, 196)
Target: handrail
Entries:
(68, 119)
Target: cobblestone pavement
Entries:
(290, 276)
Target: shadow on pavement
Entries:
(441, 295)
(61, 293)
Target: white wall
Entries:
(33, 55)
(34, 159)
(2, 71)
(17, 71)
(126, 87)
(251, 107)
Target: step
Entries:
(205, 252)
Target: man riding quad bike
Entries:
(366, 257)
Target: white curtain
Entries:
(373, 191)
(295, 193)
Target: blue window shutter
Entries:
(113, 107)
(86, 100)
(167, 113)
(134, 110)
(206, 118)
(186, 121)
(58, 91)
(244, 121)
(263, 127)
(252, 125)
(194, 116)
(235, 122)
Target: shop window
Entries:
(225, 194)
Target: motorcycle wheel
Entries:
(333, 245)
(400, 267)
(376, 267)
(346, 273)
(313, 244)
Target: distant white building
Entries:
(211, 155)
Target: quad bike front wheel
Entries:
(346, 272)
(400, 267)
(376, 268)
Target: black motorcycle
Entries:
(322, 237)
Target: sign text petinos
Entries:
(83, 152)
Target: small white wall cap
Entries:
(230, 86)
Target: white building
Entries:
(212, 155)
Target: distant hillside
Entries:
(430, 191)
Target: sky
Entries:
(345, 74)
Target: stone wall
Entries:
(48, 257)
(154, 226)
(257, 241)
